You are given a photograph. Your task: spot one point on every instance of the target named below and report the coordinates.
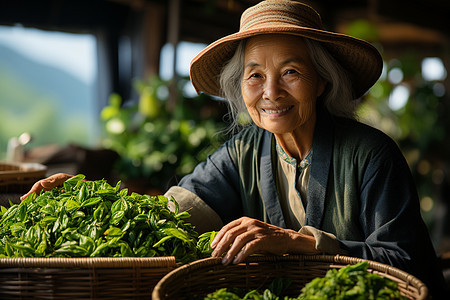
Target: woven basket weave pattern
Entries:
(82, 278)
(20, 177)
(207, 275)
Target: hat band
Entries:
(281, 20)
(280, 14)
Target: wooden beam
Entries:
(174, 38)
(154, 36)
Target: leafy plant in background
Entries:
(158, 143)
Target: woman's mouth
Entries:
(277, 111)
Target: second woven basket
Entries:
(207, 275)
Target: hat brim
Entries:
(362, 61)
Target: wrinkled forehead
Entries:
(276, 46)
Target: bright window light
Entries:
(395, 76)
(48, 87)
(399, 97)
(72, 53)
(433, 69)
(186, 52)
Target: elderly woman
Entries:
(305, 177)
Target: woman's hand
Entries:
(245, 236)
(47, 184)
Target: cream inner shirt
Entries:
(293, 180)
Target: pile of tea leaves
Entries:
(94, 219)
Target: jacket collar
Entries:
(269, 193)
(320, 167)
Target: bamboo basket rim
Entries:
(14, 175)
(82, 277)
(21, 168)
(89, 262)
(385, 270)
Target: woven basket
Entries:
(82, 278)
(19, 177)
(257, 272)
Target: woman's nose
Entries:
(272, 89)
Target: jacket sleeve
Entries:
(201, 215)
(216, 181)
(390, 219)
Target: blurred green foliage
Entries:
(418, 124)
(155, 142)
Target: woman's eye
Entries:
(292, 71)
(255, 75)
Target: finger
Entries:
(250, 248)
(227, 239)
(241, 247)
(47, 184)
(223, 231)
(36, 188)
(54, 180)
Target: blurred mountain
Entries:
(59, 86)
(53, 105)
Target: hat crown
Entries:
(276, 13)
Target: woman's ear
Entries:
(321, 87)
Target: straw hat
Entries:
(362, 60)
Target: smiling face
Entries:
(280, 85)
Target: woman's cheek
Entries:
(254, 114)
(248, 96)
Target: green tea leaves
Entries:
(352, 282)
(92, 218)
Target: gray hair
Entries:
(337, 97)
